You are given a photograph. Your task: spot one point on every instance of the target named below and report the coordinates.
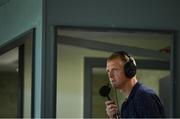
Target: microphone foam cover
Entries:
(104, 91)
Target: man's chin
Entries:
(114, 85)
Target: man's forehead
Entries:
(114, 62)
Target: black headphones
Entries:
(130, 66)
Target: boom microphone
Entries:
(104, 91)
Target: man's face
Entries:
(115, 70)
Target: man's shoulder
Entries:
(147, 102)
(144, 92)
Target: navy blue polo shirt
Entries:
(142, 103)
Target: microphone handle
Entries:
(108, 97)
(116, 116)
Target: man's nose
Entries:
(110, 75)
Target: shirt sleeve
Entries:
(149, 106)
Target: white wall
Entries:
(70, 79)
(27, 78)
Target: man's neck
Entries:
(129, 86)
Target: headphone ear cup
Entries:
(130, 69)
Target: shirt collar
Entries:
(133, 91)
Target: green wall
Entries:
(115, 13)
(17, 17)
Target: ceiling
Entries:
(9, 60)
(153, 41)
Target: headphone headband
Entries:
(125, 54)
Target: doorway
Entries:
(16, 76)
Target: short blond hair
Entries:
(121, 54)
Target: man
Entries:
(141, 102)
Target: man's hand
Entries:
(111, 108)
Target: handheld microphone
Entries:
(104, 92)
